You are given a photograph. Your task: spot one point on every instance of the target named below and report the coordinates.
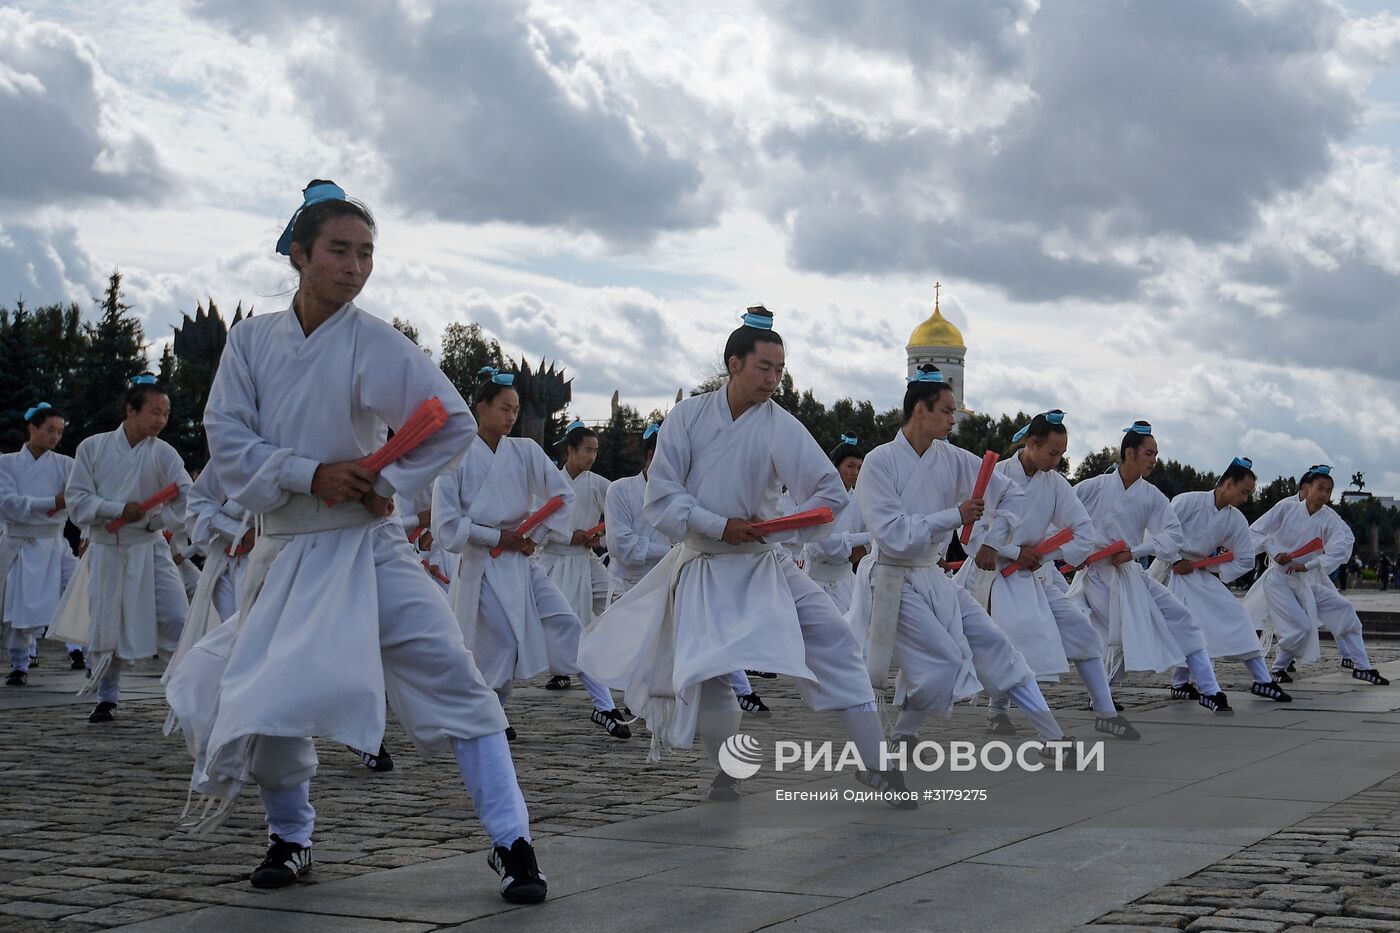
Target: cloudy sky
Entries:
(1185, 211)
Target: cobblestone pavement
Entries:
(1336, 870)
(90, 840)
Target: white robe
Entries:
(707, 608)
(575, 569)
(507, 605)
(1133, 612)
(827, 559)
(135, 604)
(345, 616)
(36, 562)
(1294, 605)
(1205, 529)
(215, 524)
(905, 608)
(1027, 605)
(634, 546)
(434, 558)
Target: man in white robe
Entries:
(914, 492)
(1294, 598)
(416, 517)
(724, 599)
(218, 525)
(568, 557)
(36, 562)
(135, 603)
(1031, 604)
(831, 558)
(1211, 524)
(511, 613)
(345, 616)
(635, 547)
(1147, 628)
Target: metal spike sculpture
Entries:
(200, 340)
(543, 393)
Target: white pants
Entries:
(487, 771)
(1293, 624)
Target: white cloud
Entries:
(66, 135)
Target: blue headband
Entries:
(760, 321)
(1245, 462)
(651, 428)
(1322, 468)
(849, 439)
(145, 379)
(1138, 429)
(498, 377)
(573, 426)
(315, 194)
(36, 409)
(921, 376)
(1054, 417)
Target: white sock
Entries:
(740, 682)
(489, 775)
(1258, 669)
(289, 812)
(1203, 672)
(1032, 702)
(597, 692)
(1095, 677)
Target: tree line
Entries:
(81, 364)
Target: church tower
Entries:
(937, 341)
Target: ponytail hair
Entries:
(1134, 436)
(757, 328)
(848, 446)
(1039, 428)
(1240, 468)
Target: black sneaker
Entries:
(78, 662)
(1347, 663)
(17, 678)
(1370, 675)
(33, 660)
(768, 675)
(753, 704)
(380, 762)
(724, 789)
(1117, 726)
(103, 712)
(1186, 691)
(1281, 677)
(559, 682)
(1001, 724)
(510, 733)
(1066, 755)
(1292, 667)
(889, 782)
(522, 882)
(1270, 691)
(1216, 703)
(284, 864)
(611, 721)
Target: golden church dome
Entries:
(937, 331)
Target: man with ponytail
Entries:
(36, 562)
(1145, 627)
(831, 558)
(345, 617)
(724, 599)
(1295, 596)
(130, 604)
(1212, 525)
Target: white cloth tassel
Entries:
(100, 665)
